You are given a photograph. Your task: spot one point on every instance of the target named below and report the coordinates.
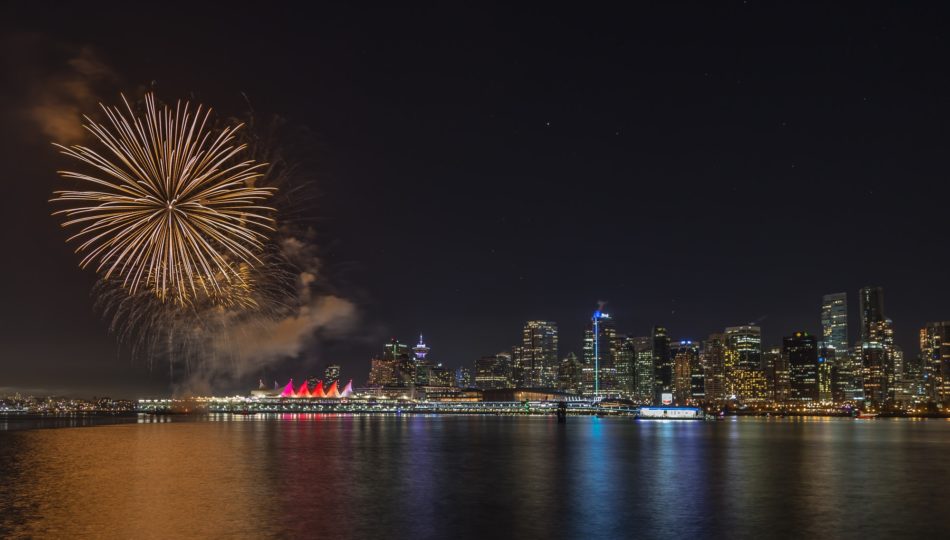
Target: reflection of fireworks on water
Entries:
(171, 208)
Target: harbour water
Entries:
(477, 477)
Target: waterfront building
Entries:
(539, 360)
(662, 364)
(492, 372)
(800, 352)
(935, 361)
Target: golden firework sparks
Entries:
(172, 207)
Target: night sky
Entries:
(694, 166)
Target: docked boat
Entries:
(865, 415)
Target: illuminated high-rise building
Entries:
(871, 303)
(662, 364)
(625, 362)
(800, 352)
(570, 375)
(781, 383)
(745, 344)
(935, 361)
(834, 321)
(600, 355)
(643, 369)
(396, 367)
(493, 372)
(685, 355)
(826, 363)
(713, 360)
(539, 360)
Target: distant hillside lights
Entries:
(729, 369)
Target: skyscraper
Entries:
(880, 358)
(492, 372)
(745, 344)
(834, 321)
(662, 364)
(935, 359)
(713, 360)
(871, 302)
(539, 360)
(643, 371)
(801, 353)
(685, 355)
(600, 353)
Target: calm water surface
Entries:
(478, 477)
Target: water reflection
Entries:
(467, 477)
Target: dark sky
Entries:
(695, 166)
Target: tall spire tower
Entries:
(420, 350)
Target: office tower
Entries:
(749, 386)
(570, 375)
(331, 374)
(463, 377)
(771, 357)
(685, 355)
(781, 385)
(826, 368)
(713, 360)
(625, 362)
(871, 304)
(874, 373)
(493, 372)
(935, 361)
(800, 353)
(745, 344)
(517, 368)
(643, 371)
(662, 365)
(396, 367)
(539, 361)
(600, 355)
(834, 321)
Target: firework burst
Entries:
(172, 207)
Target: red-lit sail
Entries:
(333, 392)
(303, 391)
(318, 391)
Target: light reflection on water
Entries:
(467, 477)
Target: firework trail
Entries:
(193, 269)
(171, 207)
